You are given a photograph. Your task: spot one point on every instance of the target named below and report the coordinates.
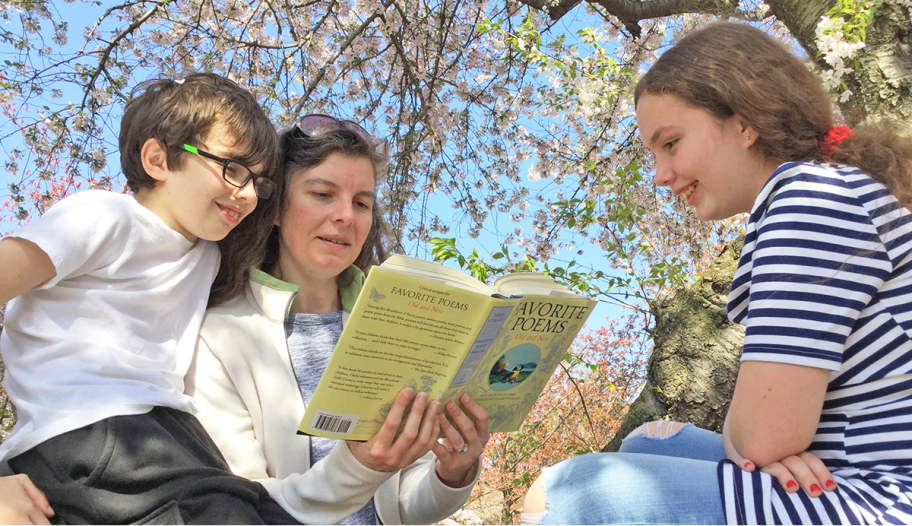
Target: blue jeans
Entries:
(649, 481)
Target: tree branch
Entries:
(554, 9)
(348, 41)
(112, 46)
(581, 397)
(630, 12)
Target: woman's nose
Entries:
(343, 212)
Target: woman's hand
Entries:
(803, 469)
(387, 452)
(21, 502)
(460, 448)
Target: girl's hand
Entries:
(461, 445)
(21, 502)
(732, 453)
(804, 470)
(387, 452)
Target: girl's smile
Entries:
(705, 160)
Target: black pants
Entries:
(157, 468)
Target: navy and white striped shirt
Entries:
(825, 280)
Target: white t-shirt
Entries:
(113, 333)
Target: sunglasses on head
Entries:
(317, 124)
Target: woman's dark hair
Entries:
(301, 152)
(730, 69)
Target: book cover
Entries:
(406, 331)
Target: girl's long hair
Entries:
(731, 68)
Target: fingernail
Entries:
(815, 488)
(464, 398)
(791, 485)
(748, 465)
(830, 484)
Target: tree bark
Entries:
(691, 373)
(7, 415)
(801, 19)
(881, 84)
(506, 511)
(630, 12)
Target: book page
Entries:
(435, 272)
(525, 283)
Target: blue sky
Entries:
(80, 15)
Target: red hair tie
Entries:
(833, 140)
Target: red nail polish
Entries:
(830, 484)
(791, 485)
(748, 465)
(815, 488)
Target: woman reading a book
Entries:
(820, 423)
(261, 355)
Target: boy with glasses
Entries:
(110, 292)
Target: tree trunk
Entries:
(7, 416)
(506, 512)
(801, 19)
(881, 85)
(691, 373)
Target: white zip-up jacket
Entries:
(251, 406)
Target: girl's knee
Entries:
(534, 502)
(527, 519)
(660, 429)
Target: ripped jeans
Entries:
(651, 480)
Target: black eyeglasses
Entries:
(317, 124)
(237, 174)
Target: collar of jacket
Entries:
(274, 296)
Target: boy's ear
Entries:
(154, 159)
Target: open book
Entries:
(423, 325)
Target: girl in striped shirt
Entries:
(820, 426)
